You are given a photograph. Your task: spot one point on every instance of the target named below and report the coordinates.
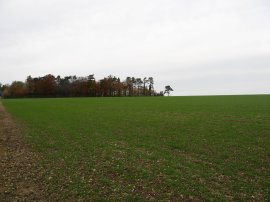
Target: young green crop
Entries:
(143, 148)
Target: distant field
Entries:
(190, 148)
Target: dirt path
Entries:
(20, 177)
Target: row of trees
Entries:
(73, 86)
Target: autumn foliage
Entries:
(73, 86)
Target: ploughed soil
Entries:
(20, 175)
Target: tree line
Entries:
(73, 86)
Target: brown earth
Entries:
(20, 175)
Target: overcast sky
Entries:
(198, 47)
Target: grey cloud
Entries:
(181, 43)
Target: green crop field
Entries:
(160, 148)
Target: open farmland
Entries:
(162, 148)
